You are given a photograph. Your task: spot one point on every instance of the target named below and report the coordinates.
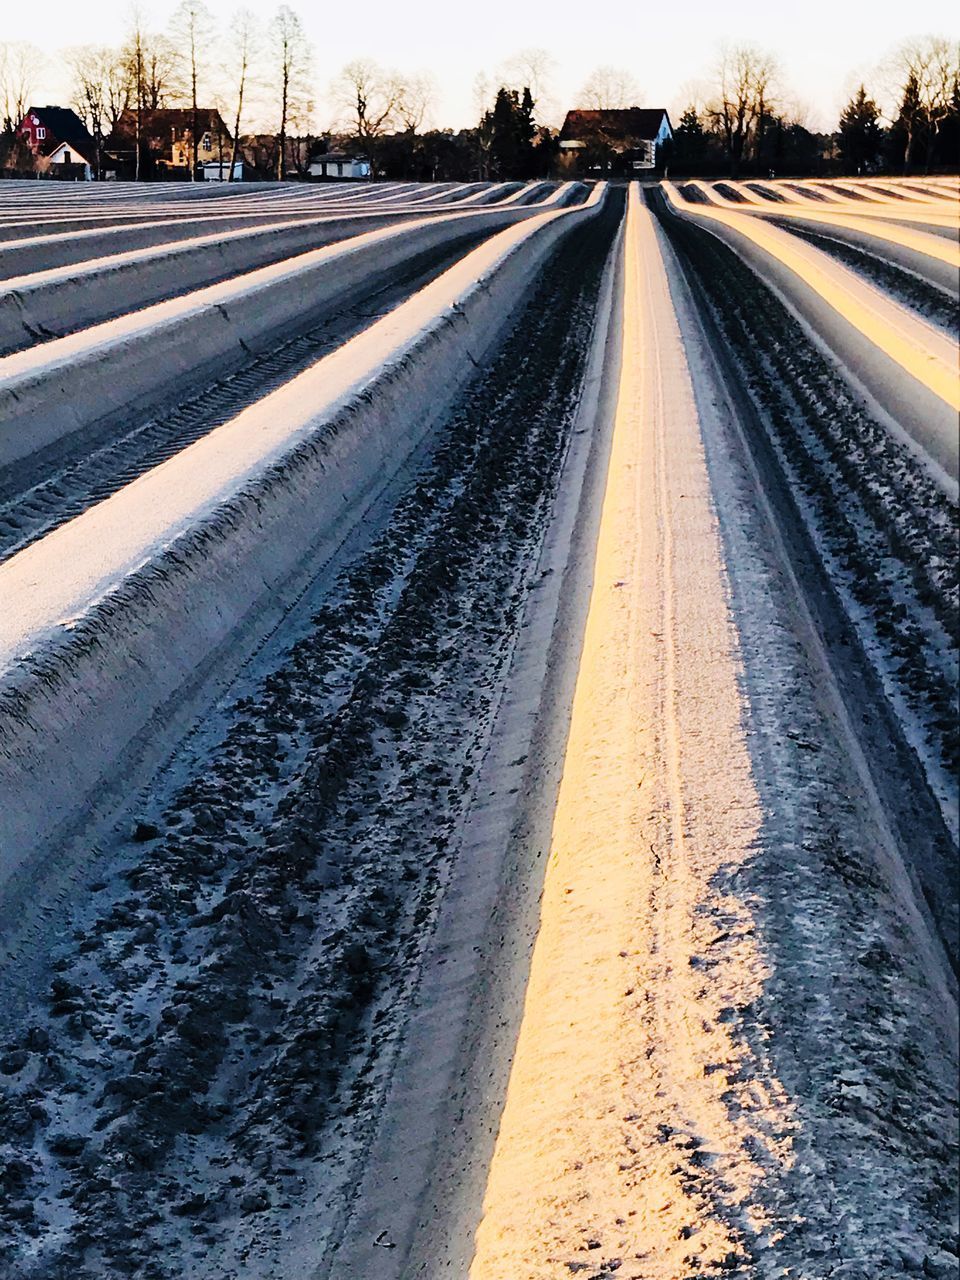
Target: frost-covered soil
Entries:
(738, 1050)
(219, 1019)
(887, 531)
(924, 299)
(50, 230)
(740, 1054)
(45, 492)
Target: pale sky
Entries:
(824, 46)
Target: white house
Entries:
(68, 154)
(337, 164)
(634, 135)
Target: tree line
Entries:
(739, 120)
(190, 64)
(743, 121)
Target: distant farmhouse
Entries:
(166, 143)
(60, 143)
(625, 141)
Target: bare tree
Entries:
(415, 96)
(732, 109)
(609, 88)
(152, 67)
(134, 60)
(291, 52)
(222, 136)
(150, 64)
(533, 69)
(245, 41)
(765, 72)
(370, 98)
(117, 88)
(101, 90)
(743, 96)
(192, 27)
(695, 93)
(19, 63)
(161, 83)
(926, 68)
(483, 99)
(483, 93)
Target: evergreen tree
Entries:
(948, 139)
(511, 129)
(796, 150)
(526, 125)
(689, 141)
(860, 136)
(696, 148)
(504, 140)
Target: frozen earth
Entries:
(479, 733)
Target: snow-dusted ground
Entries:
(738, 1047)
(421, 578)
(268, 1013)
(871, 223)
(908, 365)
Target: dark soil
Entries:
(768, 193)
(885, 191)
(730, 193)
(849, 193)
(809, 191)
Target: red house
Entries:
(44, 129)
(61, 146)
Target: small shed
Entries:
(338, 164)
(219, 171)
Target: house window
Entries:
(41, 133)
(66, 157)
(205, 143)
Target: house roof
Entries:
(159, 125)
(338, 157)
(621, 125)
(62, 125)
(86, 148)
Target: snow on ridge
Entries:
(176, 560)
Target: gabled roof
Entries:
(86, 148)
(162, 123)
(614, 125)
(62, 125)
